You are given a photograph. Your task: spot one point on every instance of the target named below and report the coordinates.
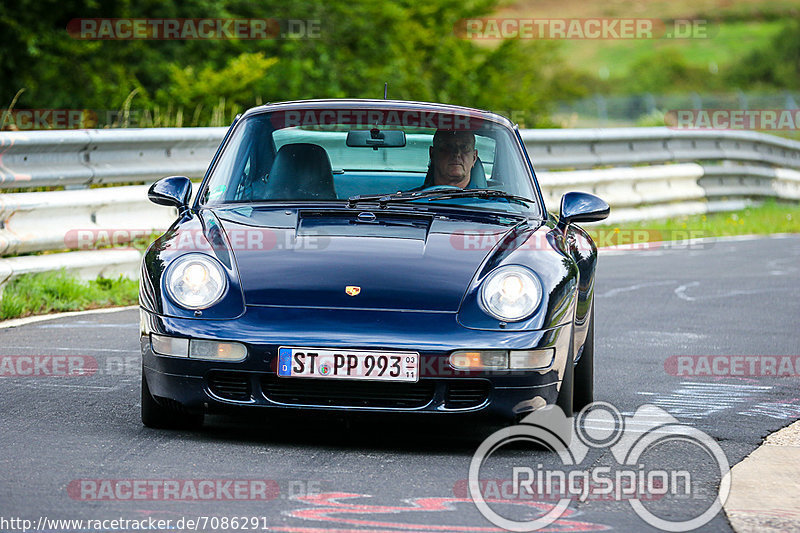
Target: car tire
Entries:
(155, 415)
(565, 395)
(583, 394)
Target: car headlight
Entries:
(195, 281)
(511, 293)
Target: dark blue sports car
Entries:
(367, 255)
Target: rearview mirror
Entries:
(376, 138)
(174, 191)
(582, 207)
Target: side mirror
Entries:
(174, 191)
(582, 207)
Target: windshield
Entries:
(341, 154)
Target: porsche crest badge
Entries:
(352, 290)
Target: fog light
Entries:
(530, 359)
(473, 360)
(219, 351)
(173, 346)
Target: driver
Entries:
(453, 155)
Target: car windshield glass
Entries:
(338, 155)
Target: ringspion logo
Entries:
(600, 426)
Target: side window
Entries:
(242, 169)
(486, 152)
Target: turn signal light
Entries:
(502, 359)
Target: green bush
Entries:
(777, 65)
(361, 45)
(666, 68)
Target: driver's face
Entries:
(453, 157)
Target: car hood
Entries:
(382, 259)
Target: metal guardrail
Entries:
(79, 158)
(589, 148)
(85, 157)
(55, 220)
(642, 172)
(731, 168)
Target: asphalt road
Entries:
(66, 440)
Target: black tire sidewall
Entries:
(565, 395)
(583, 394)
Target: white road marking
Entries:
(780, 267)
(41, 318)
(87, 324)
(742, 292)
(662, 246)
(63, 349)
(614, 292)
(680, 292)
(699, 399)
(90, 388)
(642, 424)
(776, 410)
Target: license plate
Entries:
(347, 364)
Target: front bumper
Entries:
(217, 386)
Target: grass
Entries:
(37, 294)
(726, 42)
(665, 9)
(734, 28)
(769, 218)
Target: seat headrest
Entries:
(301, 171)
(477, 177)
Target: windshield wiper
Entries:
(385, 199)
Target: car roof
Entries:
(365, 103)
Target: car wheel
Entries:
(565, 395)
(155, 415)
(583, 394)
